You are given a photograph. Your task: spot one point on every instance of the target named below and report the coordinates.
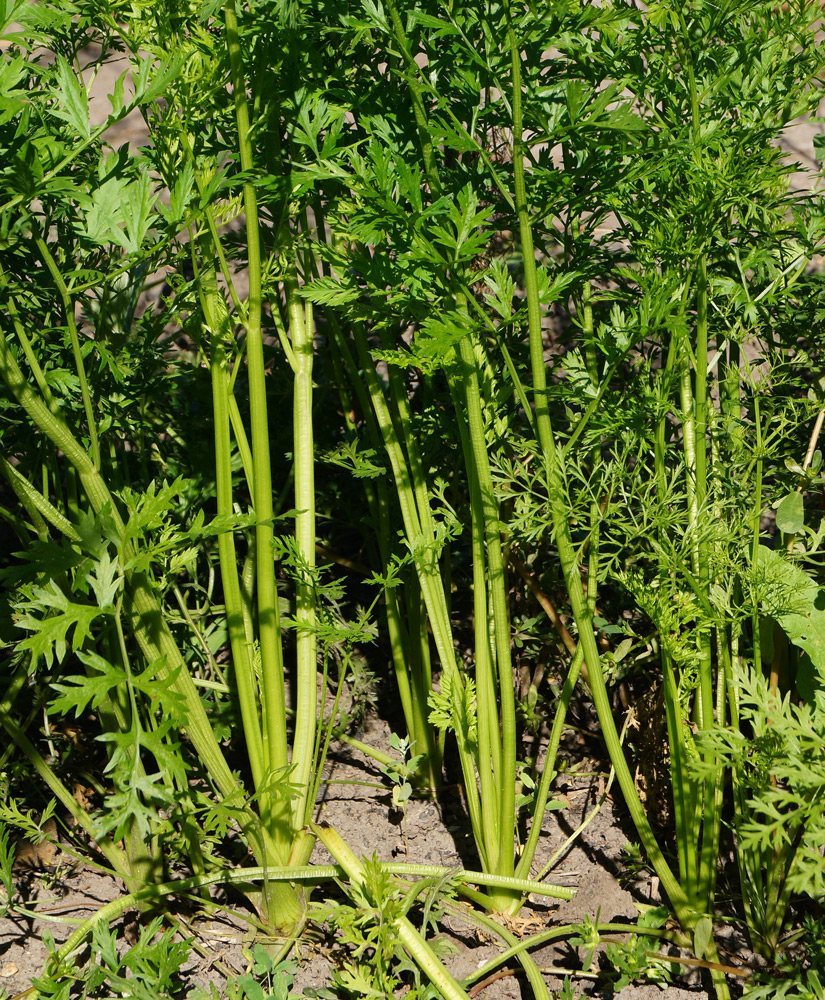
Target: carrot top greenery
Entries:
(406, 318)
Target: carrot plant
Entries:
(530, 279)
(103, 595)
(678, 257)
(121, 545)
(404, 254)
(711, 248)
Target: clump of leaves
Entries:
(634, 959)
(149, 970)
(800, 976)
(375, 963)
(367, 931)
(266, 980)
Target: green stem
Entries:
(217, 320)
(34, 501)
(414, 943)
(269, 624)
(488, 755)
(31, 357)
(757, 527)
(506, 780)
(68, 310)
(301, 326)
(306, 873)
(567, 930)
(557, 499)
(660, 444)
(712, 789)
(531, 970)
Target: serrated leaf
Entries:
(12, 98)
(439, 27)
(181, 195)
(358, 463)
(444, 134)
(83, 276)
(102, 221)
(78, 692)
(453, 708)
(152, 78)
(621, 120)
(551, 291)
(73, 102)
(138, 203)
(329, 291)
(105, 581)
(502, 289)
(52, 619)
(116, 97)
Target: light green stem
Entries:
(269, 625)
(301, 327)
(33, 500)
(488, 755)
(506, 779)
(308, 873)
(414, 943)
(217, 320)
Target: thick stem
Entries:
(506, 780)
(414, 943)
(269, 624)
(242, 652)
(301, 327)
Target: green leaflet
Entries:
(72, 99)
(454, 707)
(792, 598)
(51, 618)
